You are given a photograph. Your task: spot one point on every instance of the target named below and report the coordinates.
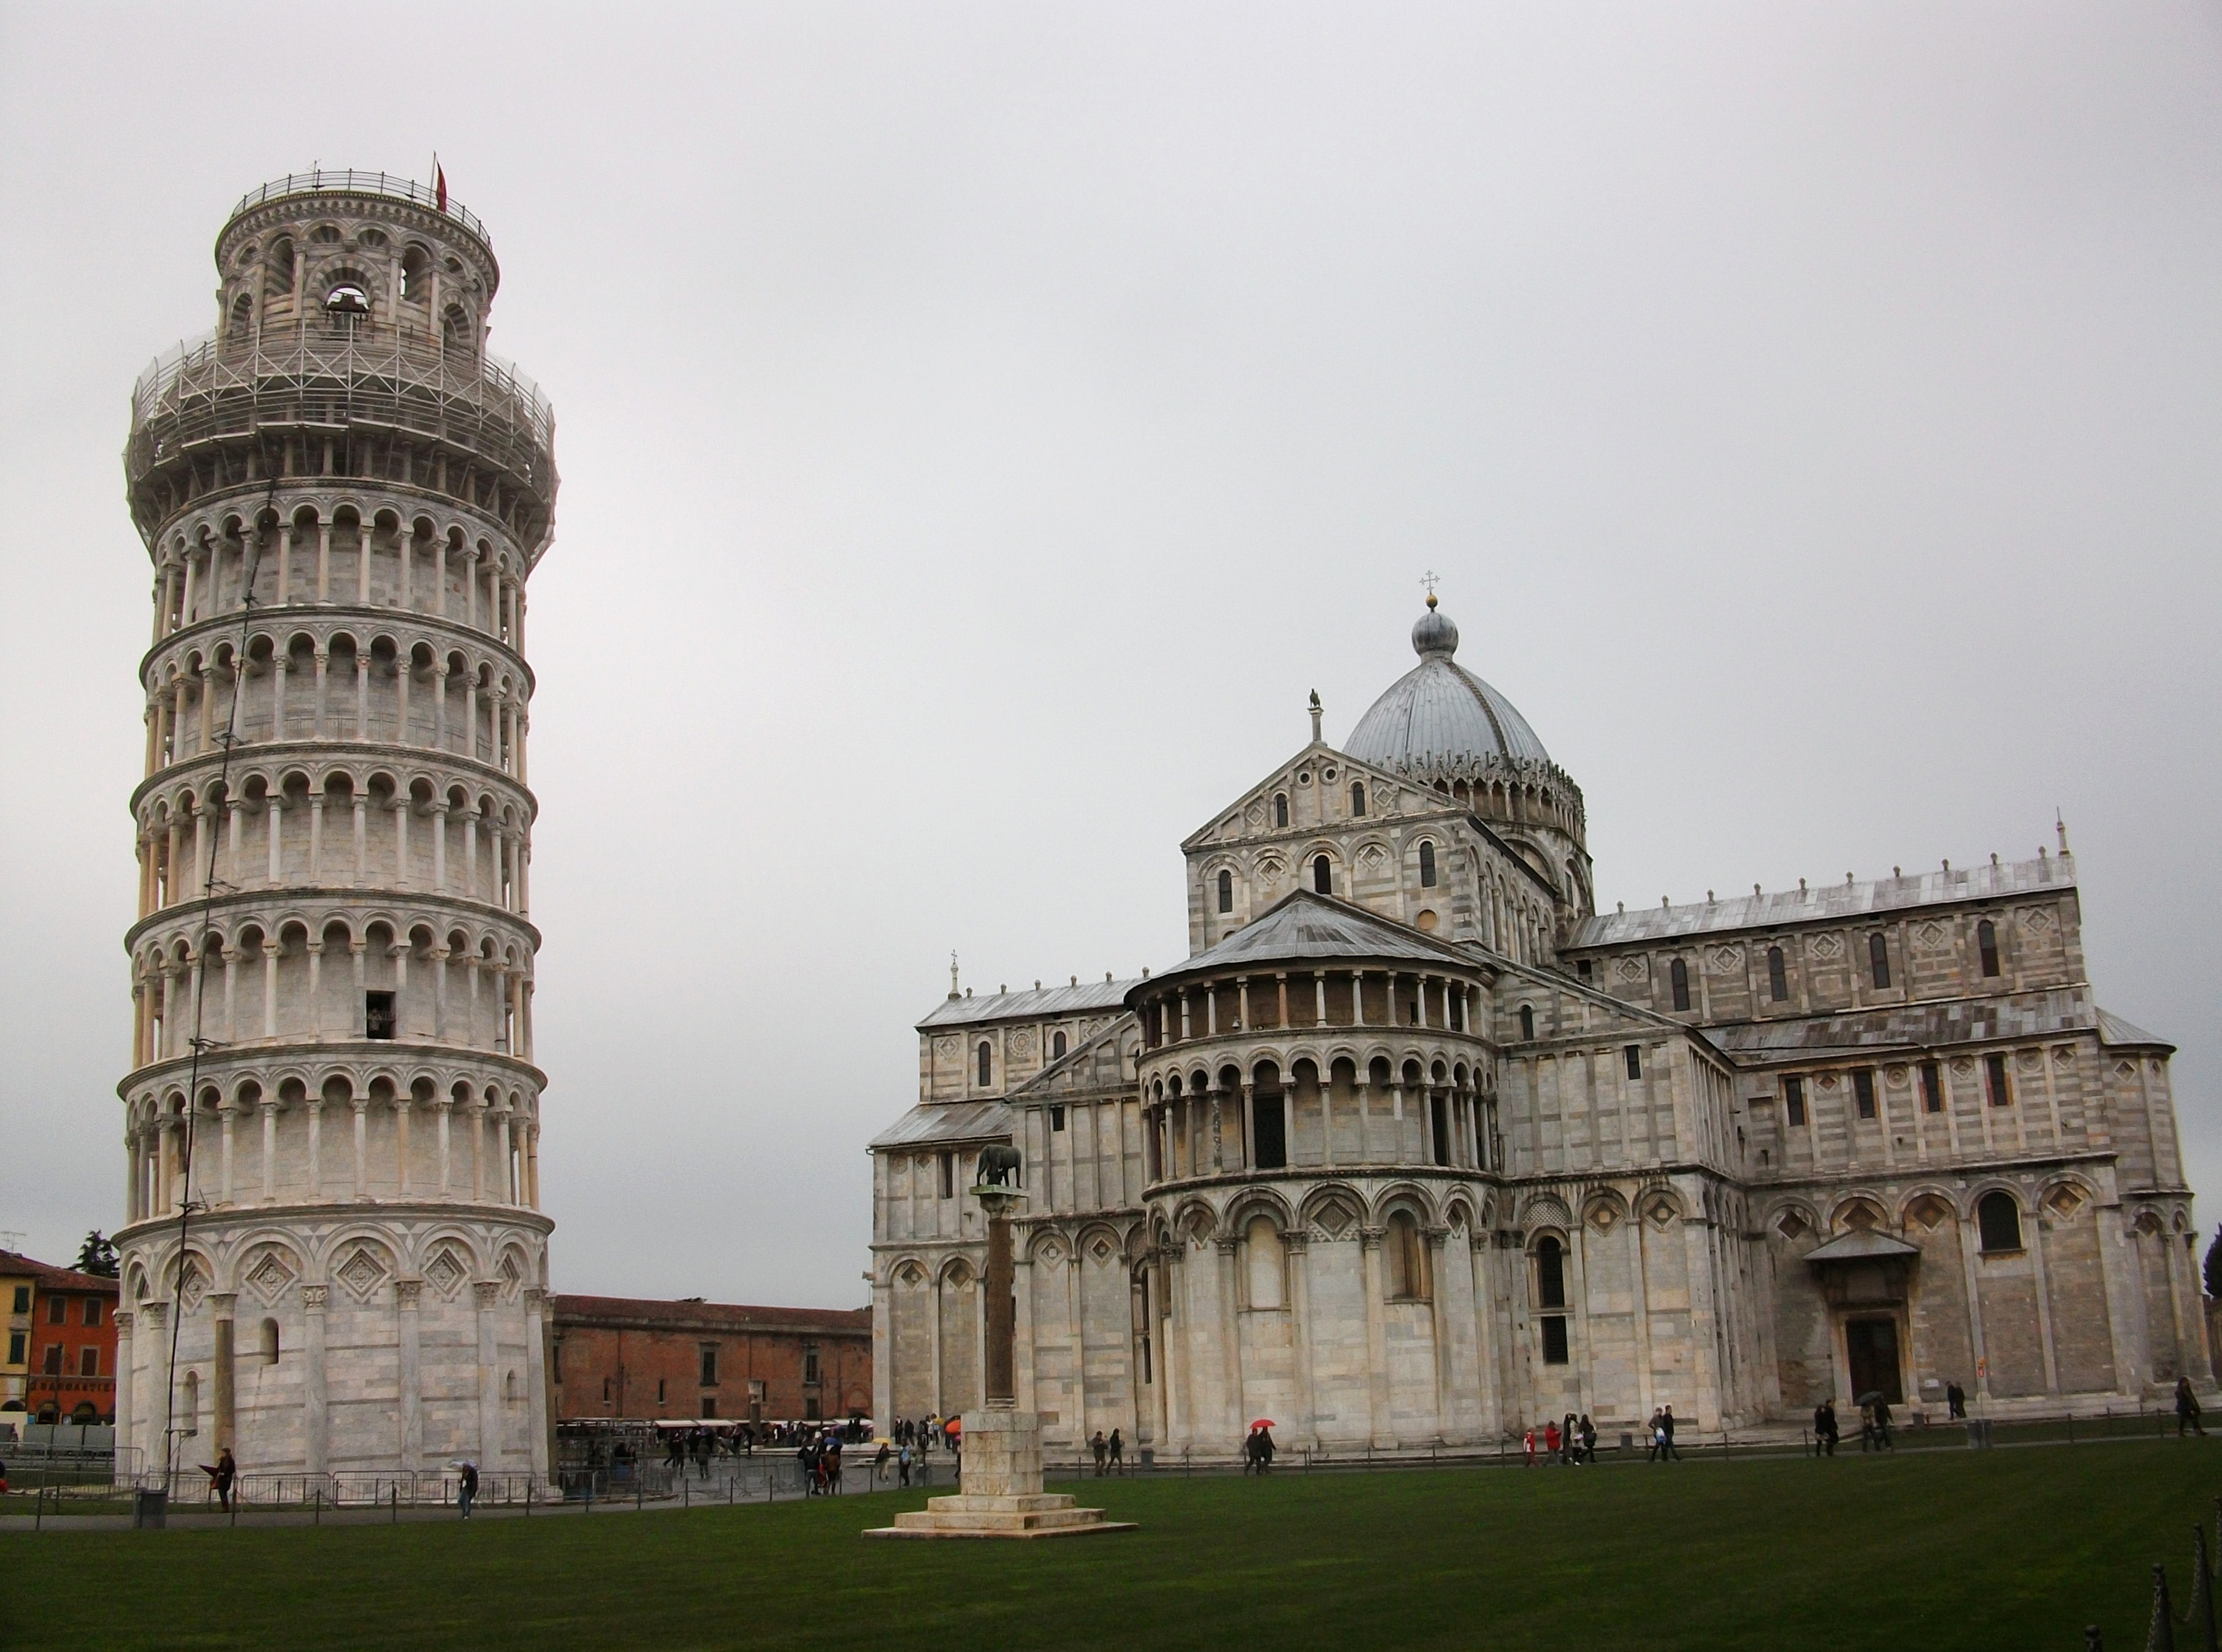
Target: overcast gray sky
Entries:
(981, 426)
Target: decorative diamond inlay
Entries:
(361, 1274)
(445, 1273)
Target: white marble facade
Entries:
(333, 960)
(1417, 1149)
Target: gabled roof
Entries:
(1083, 1066)
(933, 1124)
(1862, 1245)
(1305, 926)
(1829, 904)
(1040, 1004)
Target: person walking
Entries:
(1666, 1435)
(1103, 1450)
(1528, 1449)
(1656, 1432)
(1824, 1429)
(1956, 1402)
(1118, 1452)
(1589, 1440)
(227, 1471)
(1551, 1440)
(880, 1463)
(902, 1465)
(467, 1488)
(1265, 1448)
(2187, 1409)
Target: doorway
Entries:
(1872, 1345)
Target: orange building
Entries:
(628, 1358)
(69, 1338)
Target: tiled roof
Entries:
(50, 1277)
(654, 1312)
(1038, 1003)
(1831, 902)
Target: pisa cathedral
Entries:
(1416, 1147)
(332, 1097)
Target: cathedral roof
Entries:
(1831, 902)
(1304, 926)
(1439, 717)
(1919, 1026)
(935, 1122)
(1042, 1003)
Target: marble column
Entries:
(536, 1380)
(1378, 1429)
(224, 1305)
(127, 1379)
(315, 1420)
(409, 1383)
(486, 1295)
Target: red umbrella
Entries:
(1264, 1422)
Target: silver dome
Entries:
(1440, 715)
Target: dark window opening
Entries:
(1679, 975)
(1439, 1113)
(1057, 1117)
(709, 1405)
(986, 1064)
(1778, 974)
(1225, 892)
(54, 1359)
(1994, 1080)
(659, 1391)
(57, 1310)
(18, 1344)
(1427, 865)
(1056, 1047)
(810, 1362)
(22, 1303)
(1550, 1273)
(88, 1363)
(810, 1409)
(1555, 1339)
(378, 1015)
(1932, 1087)
(92, 1311)
(1863, 1091)
(1527, 1021)
(949, 1175)
(1986, 944)
(1323, 876)
(1879, 958)
(1280, 809)
(1793, 1099)
(1634, 1056)
(1272, 1134)
(605, 1390)
(710, 1366)
(1998, 1218)
(1582, 969)
(1358, 797)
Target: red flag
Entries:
(439, 184)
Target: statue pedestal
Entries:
(999, 1493)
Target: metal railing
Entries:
(336, 374)
(350, 182)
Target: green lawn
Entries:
(2013, 1549)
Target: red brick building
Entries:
(627, 1358)
(70, 1338)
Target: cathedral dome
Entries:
(1439, 718)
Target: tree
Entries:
(2213, 1269)
(97, 1256)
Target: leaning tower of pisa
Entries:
(343, 495)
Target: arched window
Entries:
(269, 1341)
(347, 302)
(986, 1058)
(1778, 974)
(1679, 975)
(1527, 1021)
(1322, 876)
(1986, 944)
(1280, 809)
(1879, 958)
(1427, 865)
(1225, 892)
(1998, 1218)
(416, 275)
(1407, 1258)
(1358, 797)
(1550, 1273)
(1262, 1241)
(1056, 1047)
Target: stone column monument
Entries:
(1000, 1492)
